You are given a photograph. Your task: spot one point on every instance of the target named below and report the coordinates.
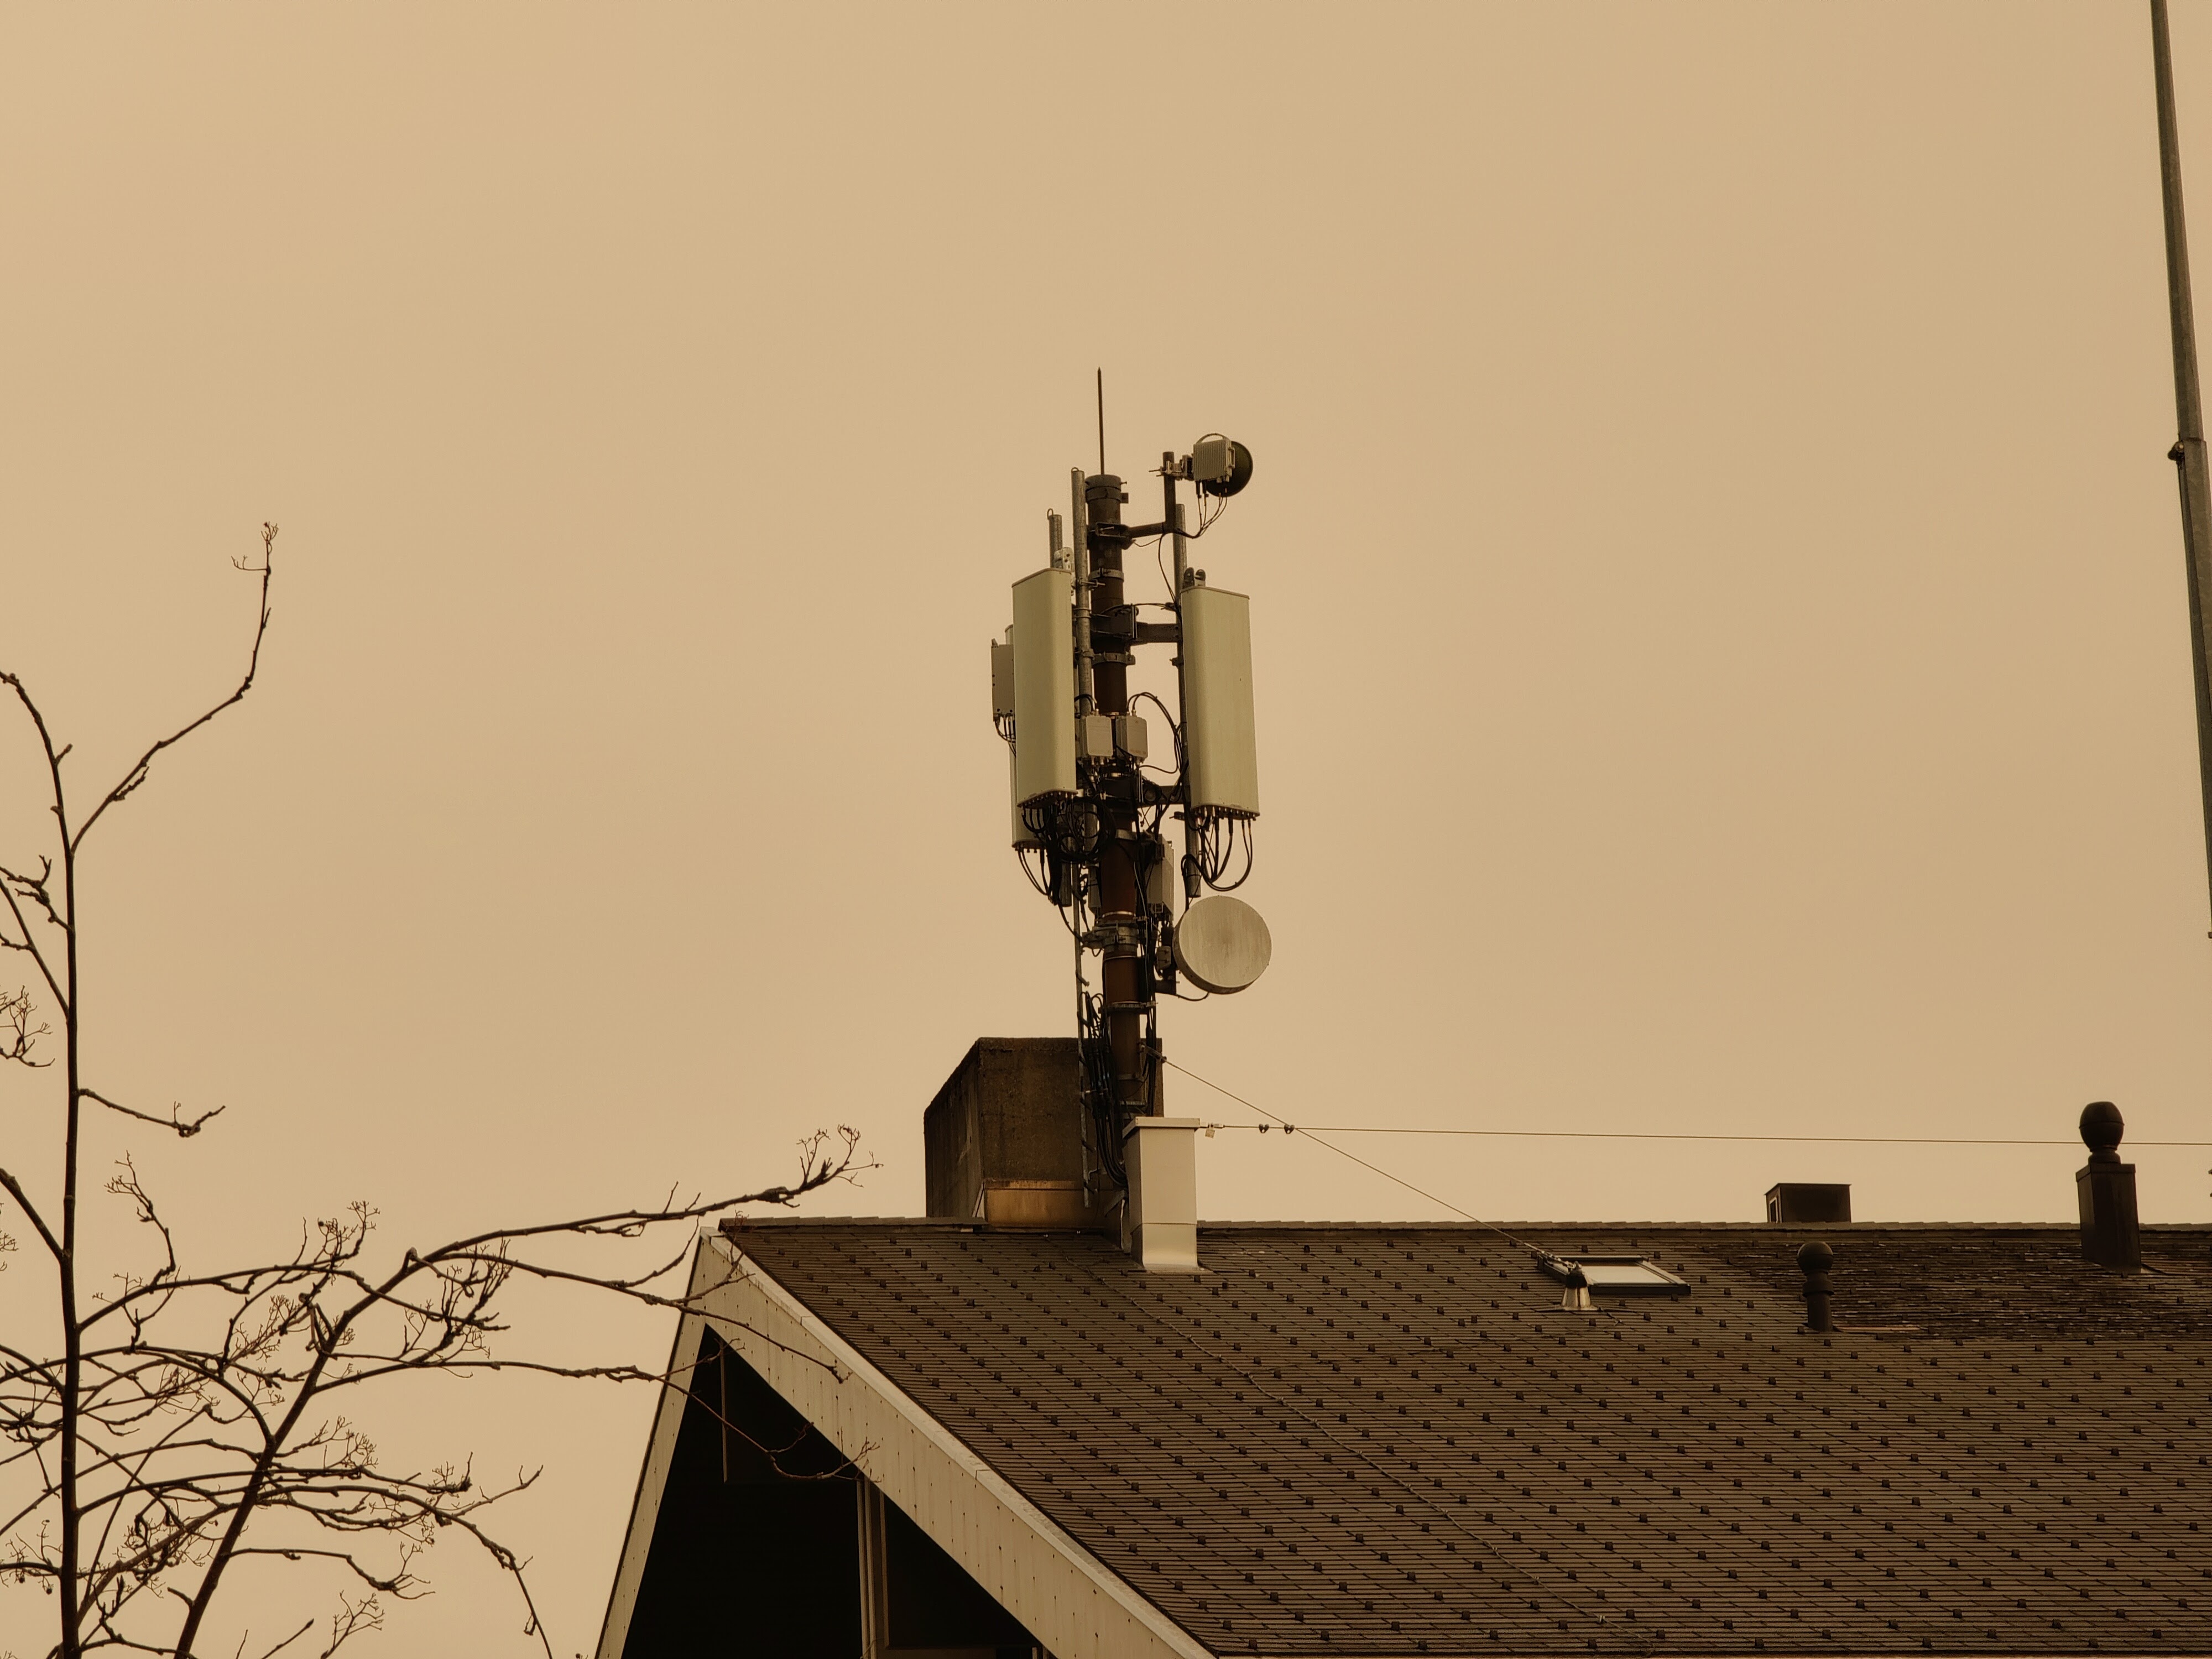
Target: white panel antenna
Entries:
(1217, 702)
(1044, 686)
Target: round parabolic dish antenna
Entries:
(1221, 945)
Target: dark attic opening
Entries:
(763, 1533)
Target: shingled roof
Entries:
(1391, 1439)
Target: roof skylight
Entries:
(1616, 1275)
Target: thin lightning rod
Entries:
(1102, 422)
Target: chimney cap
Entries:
(2101, 1129)
(1816, 1258)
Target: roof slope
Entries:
(1350, 1439)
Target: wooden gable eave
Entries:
(652, 1478)
(1076, 1607)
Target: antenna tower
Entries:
(1094, 793)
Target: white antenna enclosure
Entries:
(1044, 686)
(1217, 702)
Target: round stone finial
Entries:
(1816, 1258)
(2101, 1129)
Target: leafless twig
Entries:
(185, 1126)
(130, 780)
(17, 1034)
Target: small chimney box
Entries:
(1791, 1202)
(1161, 1220)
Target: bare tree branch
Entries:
(209, 1445)
(185, 1126)
(136, 775)
(14, 1188)
(38, 889)
(185, 1422)
(28, 943)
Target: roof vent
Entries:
(1791, 1202)
(1814, 1260)
(2106, 1190)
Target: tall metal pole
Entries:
(2188, 452)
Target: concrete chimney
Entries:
(1003, 1141)
(1160, 1223)
(2106, 1190)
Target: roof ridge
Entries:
(1777, 1230)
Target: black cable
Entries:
(1231, 886)
(1175, 727)
(1022, 856)
(1209, 859)
(1052, 820)
(1217, 847)
(1098, 1066)
(1175, 733)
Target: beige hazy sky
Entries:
(1719, 617)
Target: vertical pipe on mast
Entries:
(1172, 517)
(1079, 530)
(2188, 453)
(1181, 578)
(1190, 855)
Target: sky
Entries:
(1719, 621)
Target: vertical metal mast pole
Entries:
(2188, 452)
(1112, 634)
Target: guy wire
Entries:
(1634, 1134)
